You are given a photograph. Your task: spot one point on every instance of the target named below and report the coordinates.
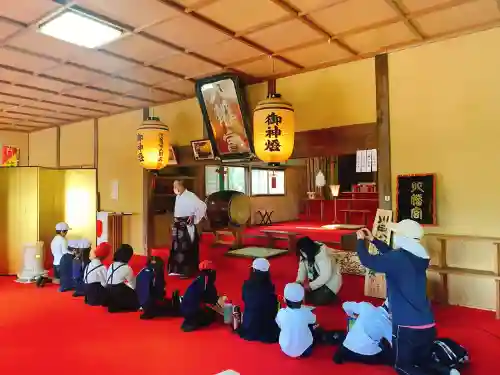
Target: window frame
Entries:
(269, 170)
(226, 180)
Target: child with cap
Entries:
(59, 247)
(199, 299)
(405, 271)
(296, 323)
(67, 283)
(261, 305)
(368, 339)
(80, 261)
(94, 276)
(120, 281)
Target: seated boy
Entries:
(368, 339)
(150, 287)
(80, 262)
(296, 323)
(94, 276)
(200, 299)
(67, 283)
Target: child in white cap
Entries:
(365, 340)
(261, 305)
(59, 247)
(80, 262)
(296, 323)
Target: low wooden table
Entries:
(273, 235)
(347, 215)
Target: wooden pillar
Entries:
(147, 204)
(58, 147)
(383, 132)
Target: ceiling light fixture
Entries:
(76, 27)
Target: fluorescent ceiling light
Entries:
(80, 29)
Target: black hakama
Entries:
(185, 253)
(95, 294)
(122, 298)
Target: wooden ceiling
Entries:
(168, 44)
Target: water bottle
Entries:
(228, 312)
(236, 318)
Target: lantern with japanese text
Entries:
(153, 141)
(274, 130)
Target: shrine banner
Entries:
(416, 198)
(102, 227)
(375, 285)
(10, 156)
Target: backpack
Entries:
(449, 353)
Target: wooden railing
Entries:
(443, 270)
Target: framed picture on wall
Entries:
(202, 150)
(10, 156)
(416, 198)
(225, 115)
(172, 156)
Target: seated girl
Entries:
(94, 276)
(67, 282)
(200, 300)
(81, 260)
(120, 281)
(261, 305)
(321, 270)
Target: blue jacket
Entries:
(150, 286)
(200, 292)
(406, 279)
(66, 273)
(261, 307)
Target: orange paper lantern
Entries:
(274, 130)
(153, 142)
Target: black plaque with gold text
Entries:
(416, 198)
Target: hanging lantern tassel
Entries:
(153, 142)
(273, 181)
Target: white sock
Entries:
(454, 372)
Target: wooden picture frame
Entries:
(433, 202)
(226, 116)
(202, 150)
(172, 156)
(10, 156)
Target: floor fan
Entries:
(32, 263)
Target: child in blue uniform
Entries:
(150, 289)
(67, 283)
(199, 294)
(80, 262)
(94, 276)
(261, 305)
(405, 269)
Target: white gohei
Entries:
(32, 263)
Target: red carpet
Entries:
(43, 331)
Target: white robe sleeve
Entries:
(200, 209)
